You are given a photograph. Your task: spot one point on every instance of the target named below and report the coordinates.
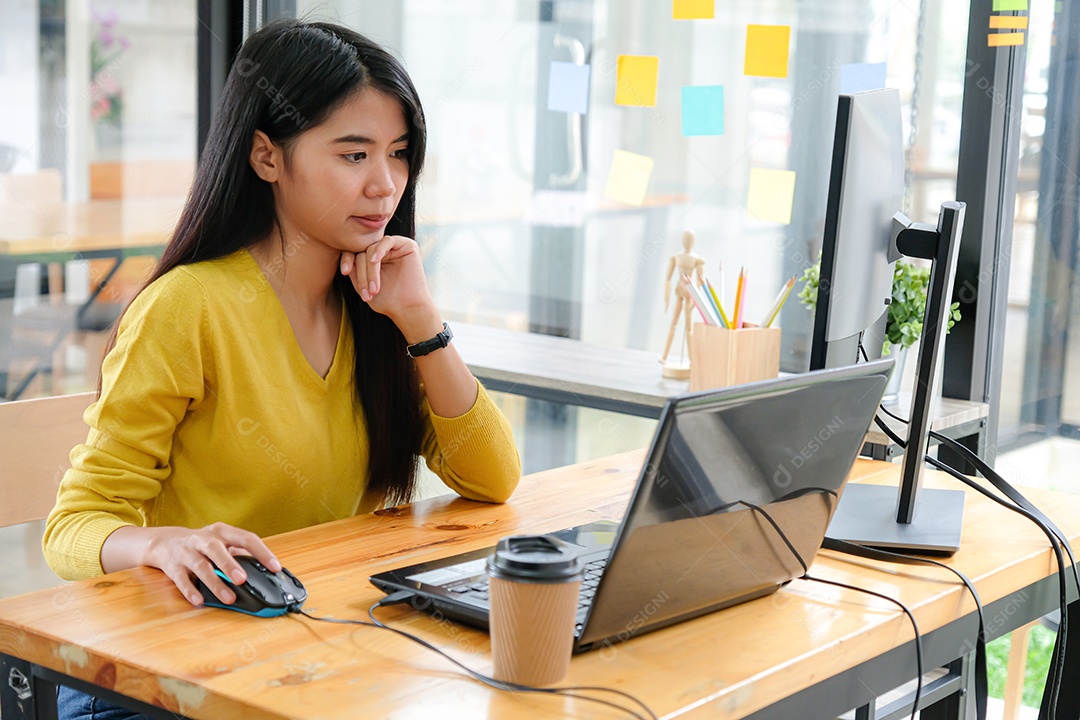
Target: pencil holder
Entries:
(720, 357)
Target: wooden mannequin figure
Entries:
(689, 264)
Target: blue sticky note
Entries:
(857, 77)
(703, 110)
(568, 88)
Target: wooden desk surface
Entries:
(133, 631)
(93, 225)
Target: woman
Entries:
(264, 380)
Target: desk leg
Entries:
(955, 706)
(25, 695)
(1068, 704)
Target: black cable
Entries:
(1058, 664)
(1059, 647)
(1012, 493)
(981, 681)
(490, 681)
(806, 576)
(914, 624)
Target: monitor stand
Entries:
(866, 515)
(915, 518)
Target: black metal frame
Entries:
(986, 183)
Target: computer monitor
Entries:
(865, 233)
(866, 189)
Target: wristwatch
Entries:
(429, 346)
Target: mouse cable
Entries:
(569, 691)
(981, 675)
(806, 576)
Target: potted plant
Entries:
(906, 311)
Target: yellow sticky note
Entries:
(767, 50)
(1013, 22)
(772, 193)
(1005, 39)
(635, 81)
(693, 9)
(629, 177)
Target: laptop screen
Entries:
(735, 496)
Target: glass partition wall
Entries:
(573, 142)
(97, 149)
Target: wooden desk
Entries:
(90, 227)
(808, 645)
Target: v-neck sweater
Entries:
(210, 412)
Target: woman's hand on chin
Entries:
(389, 277)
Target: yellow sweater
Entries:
(209, 412)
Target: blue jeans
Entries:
(75, 705)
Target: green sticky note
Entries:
(629, 177)
(767, 50)
(693, 9)
(635, 80)
(1006, 5)
(703, 110)
(772, 193)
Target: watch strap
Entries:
(426, 347)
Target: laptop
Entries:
(734, 497)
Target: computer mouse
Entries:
(264, 594)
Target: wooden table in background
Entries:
(806, 646)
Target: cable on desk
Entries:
(914, 625)
(981, 678)
(1021, 505)
(573, 691)
(1058, 668)
(806, 576)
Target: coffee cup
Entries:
(534, 582)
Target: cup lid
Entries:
(535, 558)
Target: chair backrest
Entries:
(36, 438)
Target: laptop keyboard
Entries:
(593, 570)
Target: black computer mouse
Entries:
(264, 594)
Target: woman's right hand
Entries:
(182, 552)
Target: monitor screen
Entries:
(866, 190)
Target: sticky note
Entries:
(1006, 5)
(629, 177)
(858, 77)
(1008, 22)
(703, 110)
(767, 50)
(635, 80)
(693, 9)
(557, 208)
(772, 193)
(1005, 39)
(568, 87)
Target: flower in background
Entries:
(106, 47)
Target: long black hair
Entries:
(289, 77)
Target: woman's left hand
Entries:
(389, 277)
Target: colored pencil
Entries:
(781, 298)
(740, 293)
(719, 306)
(699, 302)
